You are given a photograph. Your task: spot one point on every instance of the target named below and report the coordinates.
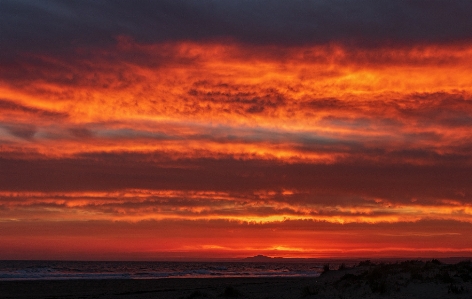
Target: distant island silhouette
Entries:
(262, 258)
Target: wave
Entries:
(57, 270)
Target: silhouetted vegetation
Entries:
(444, 277)
(231, 292)
(325, 269)
(350, 277)
(366, 263)
(377, 278)
(309, 291)
(389, 278)
(436, 262)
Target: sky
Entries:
(171, 129)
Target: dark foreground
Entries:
(158, 288)
(410, 279)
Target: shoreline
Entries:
(407, 279)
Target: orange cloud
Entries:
(140, 205)
(268, 102)
(238, 138)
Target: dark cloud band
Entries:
(52, 25)
(95, 172)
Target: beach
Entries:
(273, 287)
(408, 279)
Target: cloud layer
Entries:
(293, 120)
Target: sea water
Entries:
(55, 270)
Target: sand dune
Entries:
(408, 279)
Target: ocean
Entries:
(60, 270)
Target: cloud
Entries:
(274, 206)
(82, 133)
(322, 182)
(11, 107)
(53, 25)
(21, 131)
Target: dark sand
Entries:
(158, 288)
(410, 279)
